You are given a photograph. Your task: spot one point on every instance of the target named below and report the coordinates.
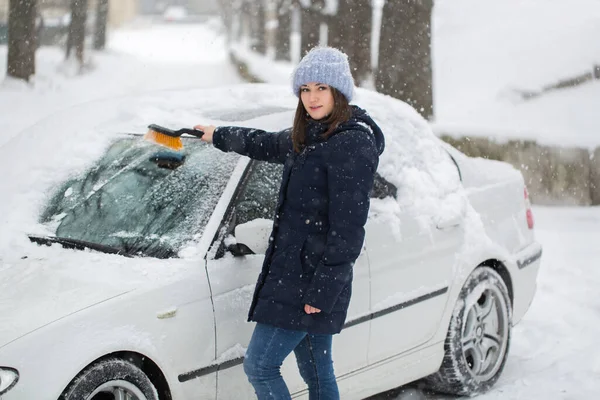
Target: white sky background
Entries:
(487, 47)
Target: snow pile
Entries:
(237, 351)
(486, 51)
(263, 68)
(414, 161)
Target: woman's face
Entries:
(317, 99)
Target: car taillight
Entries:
(528, 212)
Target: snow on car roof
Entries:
(67, 143)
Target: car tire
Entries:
(478, 339)
(107, 379)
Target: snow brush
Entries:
(168, 137)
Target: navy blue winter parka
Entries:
(318, 229)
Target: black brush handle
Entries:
(169, 132)
(194, 132)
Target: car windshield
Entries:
(126, 201)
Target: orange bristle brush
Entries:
(168, 137)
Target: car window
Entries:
(382, 188)
(256, 198)
(259, 192)
(127, 201)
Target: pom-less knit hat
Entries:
(325, 65)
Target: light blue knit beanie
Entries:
(325, 65)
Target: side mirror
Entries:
(254, 234)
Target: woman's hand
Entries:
(208, 132)
(310, 309)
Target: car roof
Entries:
(68, 142)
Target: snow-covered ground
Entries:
(555, 352)
(484, 50)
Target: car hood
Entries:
(51, 283)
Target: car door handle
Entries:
(450, 223)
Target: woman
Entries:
(330, 157)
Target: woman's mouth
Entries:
(315, 107)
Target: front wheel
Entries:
(111, 379)
(478, 338)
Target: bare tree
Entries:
(284, 29)
(246, 19)
(100, 28)
(226, 10)
(257, 31)
(76, 34)
(350, 31)
(404, 68)
(251, 15)
(21, 39)
(312, 16)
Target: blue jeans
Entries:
(268, 348)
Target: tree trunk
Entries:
(226, 8)
(405, 54)
(76, 35)
(100, 28)
(246, 20)
(350, 31)
(258, 27)
(21, 39)
(311, 24)
(284, 29)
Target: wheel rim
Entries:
(485, 331)
(117, 390)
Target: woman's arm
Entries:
(350, 173)
(254, 143)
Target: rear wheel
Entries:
(111, 379)
(478, 338)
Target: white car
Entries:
(127, 269)
(175, 13)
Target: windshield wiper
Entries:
(77, 244)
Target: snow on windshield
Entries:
(413, 160)
(127, 202)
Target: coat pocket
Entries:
(312, 252)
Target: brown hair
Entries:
(341, 113)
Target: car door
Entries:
(233, 277)
(411, 271)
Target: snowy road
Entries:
(555, 353)
(141, 58)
